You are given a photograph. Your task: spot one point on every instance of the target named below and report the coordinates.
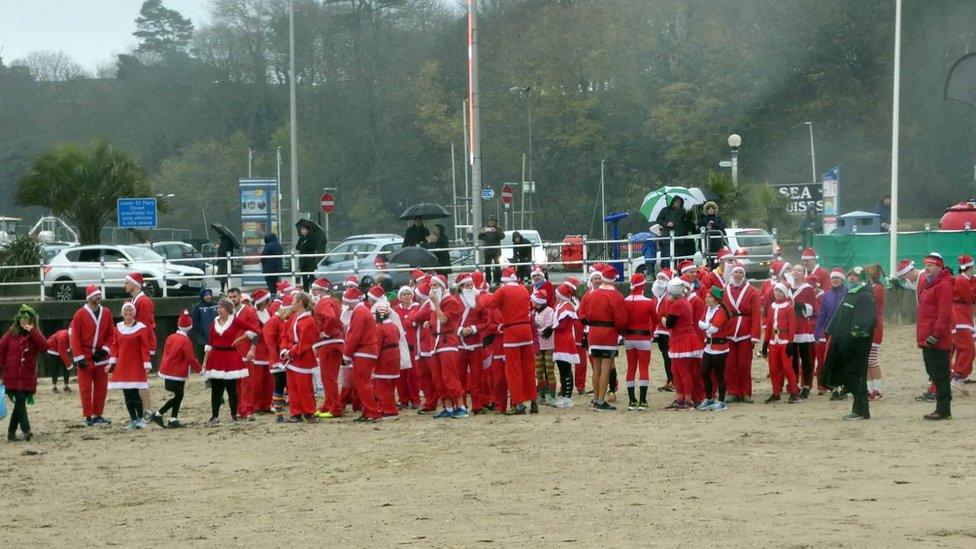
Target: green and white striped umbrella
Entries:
(658, 199)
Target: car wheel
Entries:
(151, 288)
(63, 291)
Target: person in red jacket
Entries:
(684, 343)
(605, 313)
(659, 291)
(146, 314)
(719, 276)
(809, 259)
(444, 316)
(743, 302)
(717, 325)
(328, 348)
(805, 307)
(222, 364)
(362, 349)
(933, 330)
(963, 298)
(272, 333)
(780, 328)
(263, 384)
(59, 347)
(128, 364)
(471, 329)
(541, 283)
(638, 338)
(174, 368)
(564, 343)
(91, 331)
(424, 347)
(408, 384)
(19, 348)
(244, 310)
(511, 299)
(388, 366)
(299, 358)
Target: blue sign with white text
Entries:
(136, 213)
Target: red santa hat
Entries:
(128, 305)
(287, 300)
(376, 293)
(572, 282)
(352, 281)
(779, 286)
(784, 267)
(685, 266)
(905, 266)
(609, 274)
(666, 274)
(478, 279)
(439, 280)
(463, 278)
(597, 267)
(184, 322)
(837, 272)
(282, 286)
(965, 262)
(539, 297)
(405, 290)
(321, 284)
(417, 275)
(739, 266)
(260, 296)
(246, 297)
(637, 280)
(508, 275)
(565, 292)
(687, 280)
(423, 289)
(352, 296)
(537, 271)
(723, 254)
(808, 253)
(92, 291)
(934, 258)
(135, 279)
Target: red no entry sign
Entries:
(507, 194)
(328, 203)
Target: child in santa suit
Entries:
(388, 366)
(637, 342)
(296, 352)
(328, 348)
(780, 327)
(579, 368)
(128, 363)
(59, 347)
(684, 343)
(717, 325)
(272, 334)
(659, 299)
(545, 369)
(408, 384)
(91, 332)
(541, 284)
(511, 299)
(805, 307)
(564, 351)
(362, 350)
(178, 359)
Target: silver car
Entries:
(365, 255)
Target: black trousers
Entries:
(565, 378)
(937, 367)
(612, 385)
(281, 381)
(133, 403)
(493, 275)
(714, 363)
(217, 389)
(57, 370)
(803, 358)
(176, 387)
(272, 283)
(18, 417)
(662, 345)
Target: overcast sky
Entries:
(90, 31)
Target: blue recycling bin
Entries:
(858, 222)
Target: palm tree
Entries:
(82, 185)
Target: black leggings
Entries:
(19, 415)
(803, 357)
(217, 388)
(58, 370)
(133, 403)
(565, 378)
(714, 363)
(281, 381)
(662, 345)
(612, 385)
(175, 387)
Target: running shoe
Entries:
(518, 410)
(794, 399)
(158, 420)
(642, 406)
(212, 422)
(605, 407)
(959, 386)
(56, 389)
(854, 417)
(364, 419)
(99, 421)
(445, 413)
(533, 407)
(89, 422)
(131, 426)
(925, 397)
(460, 412)
(705, 406)
(747, 399)
(935, 416)
(66, 389)
(673, 406)
(294, 419)
(805, 393)
(175, 424)
(719, 406)
(772, 399)
(632, 406)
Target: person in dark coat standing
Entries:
(933, 330)
(714, 227)
(416, 234)
(675, 218)
(491, 236)
(884, 212)
(851, 330)
(439, 242)
(521, 256)
(306, 246)
(19, 348)
(270, 266)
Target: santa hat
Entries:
(260, 296)
(440, 280)
(723, 254)
(686, 280)
(572, 282)
(965, 262)
(666, 274)
(282, 286)
(905, 266)
(287, 300)
(246, 297)
(128, 305)
(92, 291)
(565, 292)
(637, 280)
(135, 279)
(739, 266)
(478, 279)
(676, 286)
(784, 267)
(934, 258)
(423, 289)
(463, 278)
(508, 275)
(321, 284)
(742, 252)
(539, 297)
(686, 266)
(352, 296)
(779, 286)
(184, 322)
(609, 274)
(537, 271)
(808, 253)
(376, 293)
(417, 275)
(837, 272)
(597, 267)
(405, 290)
(352, 281)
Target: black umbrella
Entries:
(961, 83)
(415, 257)
(315, 232)
(227, 233)
(424, 210)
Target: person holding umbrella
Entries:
(675, 218)
(416, 234)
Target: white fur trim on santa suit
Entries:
(128, 384)
(639, 344)
(571, 358)
(689, 354)
(386, 376)
(538, 300)
(230, 374)
(296, 369)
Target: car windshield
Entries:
(752, 238)
(142, 254)
(348, 250)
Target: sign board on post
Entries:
(801, 197)
(507, 194)
(136, 213)
(831, 199)
(259, 216)
(328, 203)
(487, 193)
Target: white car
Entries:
(539, 256)
(68, 272)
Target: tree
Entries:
(51, 66)
(163, 32)
(82, 185)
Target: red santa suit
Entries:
(963, 298)
(272, 334)
(261, 370)
(387, 367)
(59, 345)
(604, 312)
(300, 363)
(780, 326)
(564, 333)
(328, 350)
(806, 310)
(717, 326)
(408, 384)
(512, 300)
(91, 335)
(362, 349)
(743, 301)
(423, 351)
(684, 344)
(443, 363)
(823, 277)
(474, 377)
(223, 360)
(496, 350)
(246, 385)
(697, 311)
(638, 335)
(178, 357)
(146, 313)
(129, 357)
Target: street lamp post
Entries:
(524, 91)
(734, 142)
(293, 115)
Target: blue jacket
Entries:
(271, 247)
(650, 250)
(203, 315)
(831, 300)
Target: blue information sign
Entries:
(136, 213)
(487, 194)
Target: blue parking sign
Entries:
(136, 213)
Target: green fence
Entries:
(849, 250)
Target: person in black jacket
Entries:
(491, 236)
(306, 245)
(270, 266)
(521, 255)
(224, 248)
(675, 218)
(416, 234)
(851, 330)
(438, 241)
(714, 227)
